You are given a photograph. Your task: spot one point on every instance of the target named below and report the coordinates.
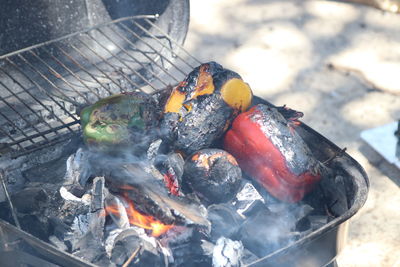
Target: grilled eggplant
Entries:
(201, 108)
(213, 175)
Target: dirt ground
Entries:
(339, 63)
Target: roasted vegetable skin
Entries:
(201, 108)
(270, 151)
(119, 122)
(213, 174)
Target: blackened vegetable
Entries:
(119, 122)
(213, 174)
(268, 149)
(201, 108)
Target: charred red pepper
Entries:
(270, 151)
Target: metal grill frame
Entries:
(43, 87)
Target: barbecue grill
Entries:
(45, 85)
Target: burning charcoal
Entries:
(171, 167)
(30, 200)
(200, 109)
(225, 221)
(248, 200)
(150, 197)
(121, 122)
(227, 253)
(132, 250)
(114, 207)
(213, 175)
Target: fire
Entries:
(136, 218)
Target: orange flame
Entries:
(136, 218)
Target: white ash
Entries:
(246, 197)
(68, 196)
(79, 228)
(248, 192)
(152, 152)
(77, 169)
(227, 253)
(110, 240)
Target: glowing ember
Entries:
(136, 218)
(171, 184)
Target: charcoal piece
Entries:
(30, 200)
(53, 171)
(110, 240)
(79, 228)
(227, 253)
(98, 194)
(151, 198)
(118, 213)
(97, 218)
(58, 228)
(253, 208)
(58, 243)
(248, 257)
(50, 172)
(265, 232)
(129, 242)
(335, 196)
(171, 167)
(89, 248)
(78, 169)
(225, 221)
(124, 245)
(213, 175)
(317, 221)
(34, 226)
(248, 200)
(188, 247)
(153, 149)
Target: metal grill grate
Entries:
(43, 86)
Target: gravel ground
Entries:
(339, 63)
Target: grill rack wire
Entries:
(43, 87)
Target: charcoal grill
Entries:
(44, 86)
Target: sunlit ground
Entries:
(339, 64)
